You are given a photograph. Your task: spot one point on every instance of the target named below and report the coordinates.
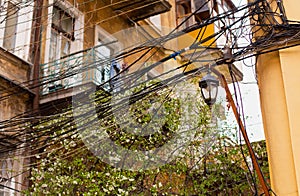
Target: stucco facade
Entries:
(278, 80)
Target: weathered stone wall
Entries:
(13, 105)
(15, 99)
(13, 68)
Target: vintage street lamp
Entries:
(209, 89)
(241, 126)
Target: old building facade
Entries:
(79, 44)
(16, 99)
(73, 34)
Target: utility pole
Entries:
(244, 133)
(36, 51)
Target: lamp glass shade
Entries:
(209, 89)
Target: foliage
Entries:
(204, 168)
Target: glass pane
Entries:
(53, 46)
(206, 93)
(10, 27)
(56, 16)
(67, 23)
(214, 91)
(62, 21)
(202, 5)
(65, 47)
(3, 169)
(102, 51)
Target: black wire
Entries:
(261, 10)
(240, 142)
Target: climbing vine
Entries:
(212, 164)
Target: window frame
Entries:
(10, 28)
(59, 62)
(7, 180)
(102, 36)
(59, 27)
(76, 44)
(189, 6)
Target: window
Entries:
(16, 27)
(10, 26)
(63, 22)
(103, 54)
(62, 33)
(105, 47)
(186, 7)
(64, 36)
(6, 179)
(103, 50)
(203, 10)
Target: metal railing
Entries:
(75, 69)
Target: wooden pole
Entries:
(244, 133)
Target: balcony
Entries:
(60, 76)
(136, 10)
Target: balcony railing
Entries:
(79, 68)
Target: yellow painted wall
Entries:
(189, 38)
(290, 72)
(279, 84)
(276, 124)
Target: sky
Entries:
(251, 105)
(250, 97)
